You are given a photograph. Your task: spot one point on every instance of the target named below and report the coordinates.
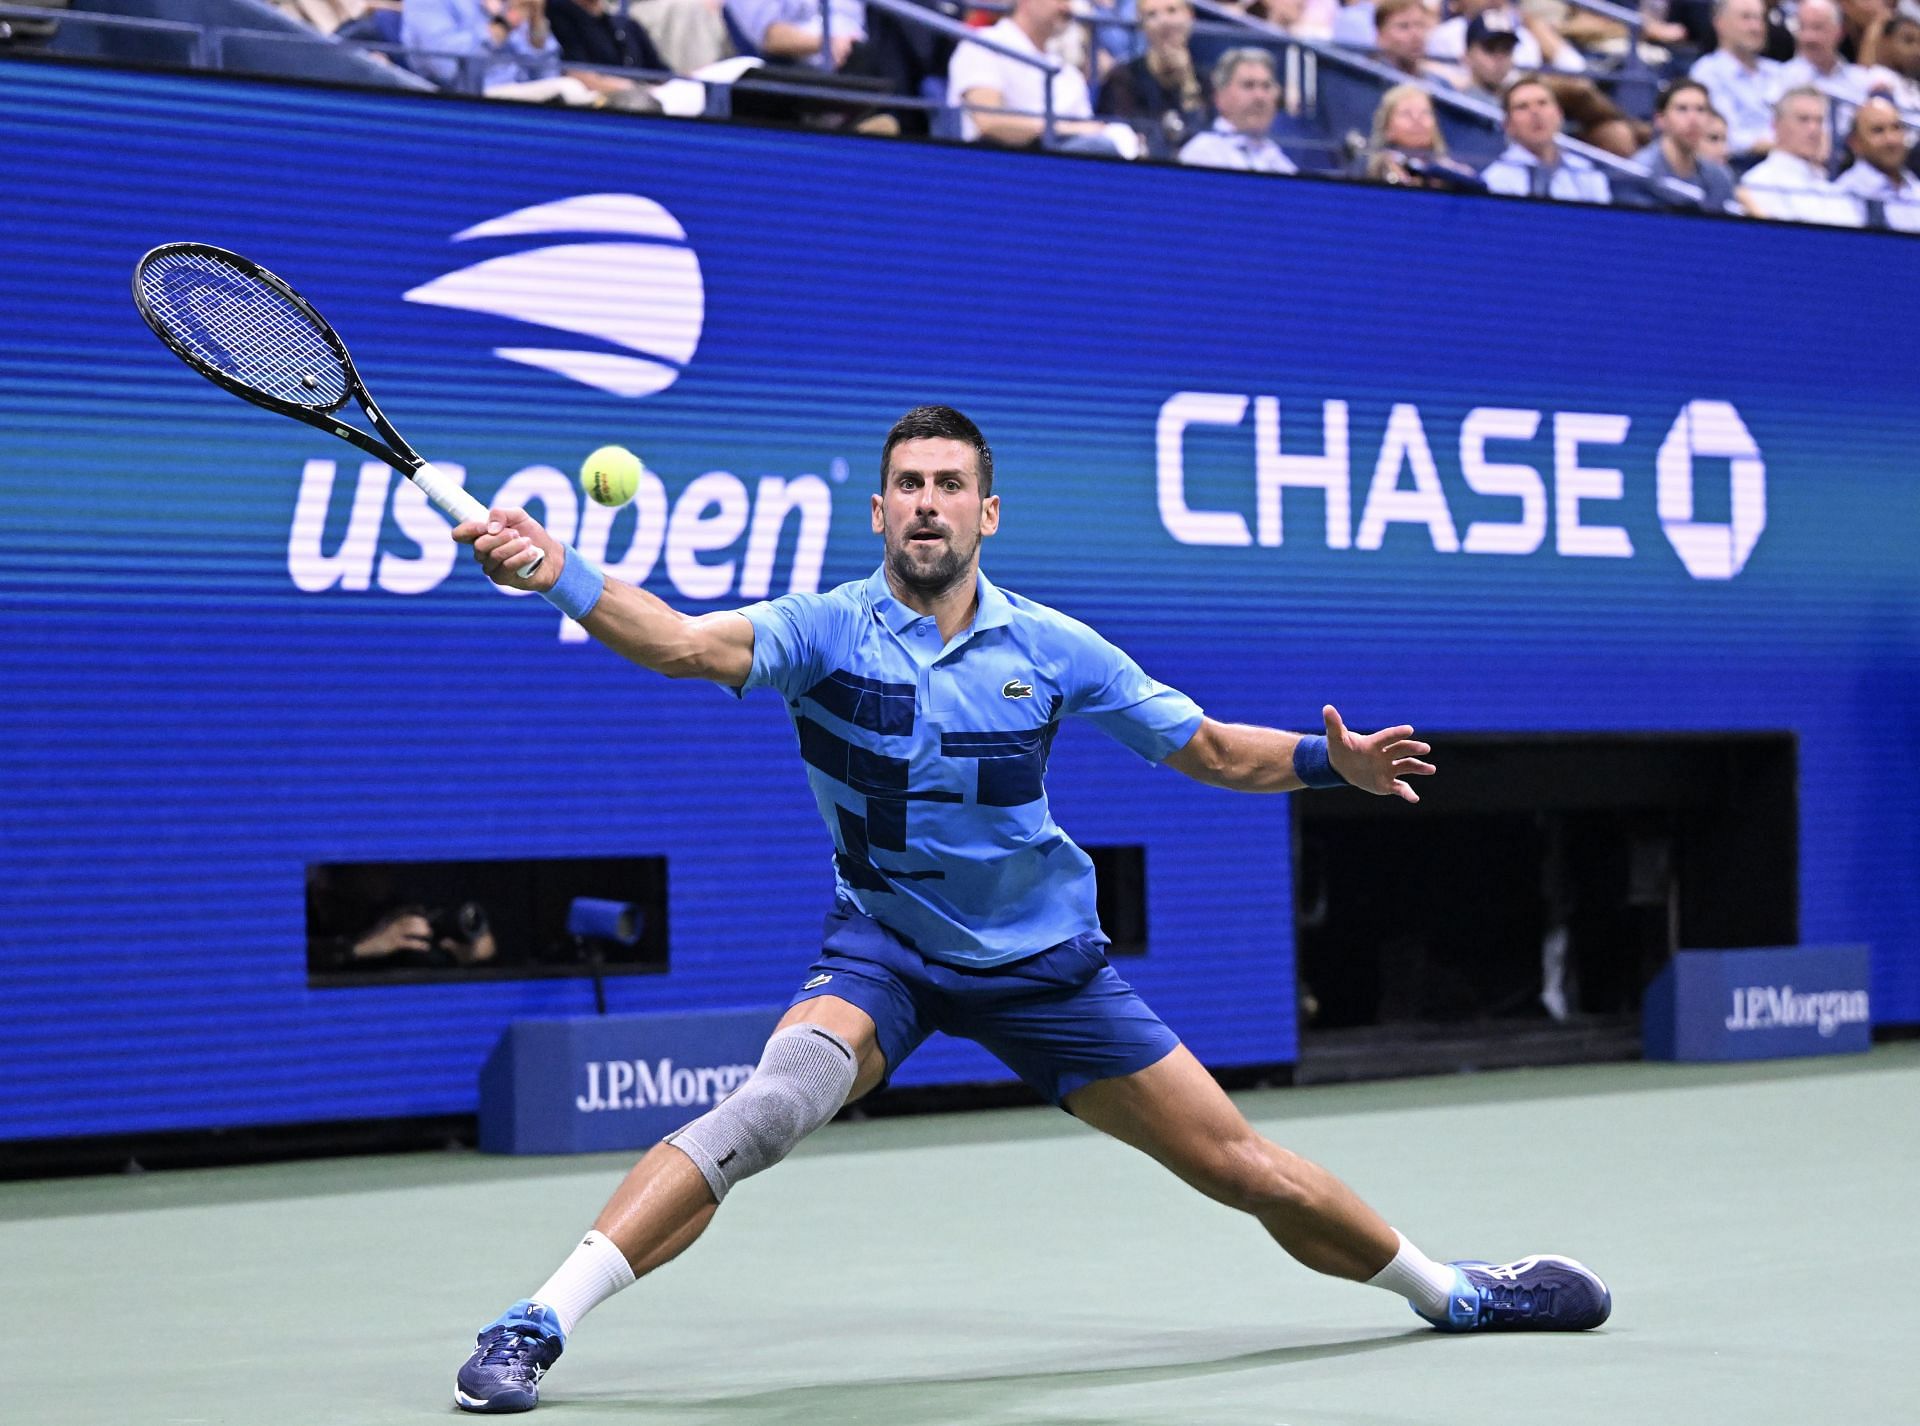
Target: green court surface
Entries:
(1757, 1225)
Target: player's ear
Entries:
(990, 514)
(879, 521)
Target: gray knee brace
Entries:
(802, 1079)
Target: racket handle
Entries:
(452, 500)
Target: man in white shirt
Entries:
(1792, 182)
(1817, 62)
(1537, 44)
(1879, 177)
(983, 82)
(1741, 80)
(1246, 95)
(1534, 165)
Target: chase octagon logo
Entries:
(638, 288)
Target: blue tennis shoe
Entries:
(513, 1353)
(1538, 1294)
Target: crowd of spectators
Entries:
(1801, 111)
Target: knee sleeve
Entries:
(803, 1078)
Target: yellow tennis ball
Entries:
(611, 474)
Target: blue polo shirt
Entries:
(928, 759)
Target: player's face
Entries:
(931, 515)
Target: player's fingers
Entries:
(510, 554)
(1403, 766)
(1336, 730)
(507, 515)
(1391, 735)
(467, 531)
(1404, 792)
(1406, 748)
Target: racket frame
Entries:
(446, 493)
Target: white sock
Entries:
(1416, 1277)
(592, 1273)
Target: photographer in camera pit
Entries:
(356, 922)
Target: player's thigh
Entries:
(1173, 1110)
(851, 1024)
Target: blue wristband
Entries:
(579, 587)
(1312, 765)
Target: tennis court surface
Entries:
(1756, 1224)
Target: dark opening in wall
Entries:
(386, 923)
(1122, 904)
(1543, 878)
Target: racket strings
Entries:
(249, 331)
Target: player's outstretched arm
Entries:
(1251, 759)
(630, 621)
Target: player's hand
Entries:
(502, 543)
(1379, 763)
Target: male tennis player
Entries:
(926, 699)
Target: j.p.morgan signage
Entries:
(1752, 1005)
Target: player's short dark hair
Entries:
(940, 423)
(1680, 86)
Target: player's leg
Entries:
(1174, 1111)
(825, 1052)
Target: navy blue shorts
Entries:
(1059, 1019)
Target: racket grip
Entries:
(452, 500)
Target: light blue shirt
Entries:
(1572, 180)
(1224, 146)
(928, 759)
(1744, 97)
(436, 31)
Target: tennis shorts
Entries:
(1059, 1019)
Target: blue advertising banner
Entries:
(592, 1082)
(1478, 465)
(1760, 1004)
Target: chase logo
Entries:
(640, 292)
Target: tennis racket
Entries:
(243, 328)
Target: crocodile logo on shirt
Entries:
(1016, 689)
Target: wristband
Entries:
(579, 587)
(1310, 761)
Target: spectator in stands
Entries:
(1492, 45)
(1246, 95)
(502, 47)
(1740, 80)
(1537, 45)
(985, 82)
(1407, 147)
(1895, 71)
(790, 32)
(1400, 35)
(1862, 21)
(1534, 164)
(1888, 193)
(1792, 182)
(689, 34)
(381, 23)
(1303, 19)
(326, 16)
(592, 33)
(1681, 116)
(1715, 146)
(1817, 63)
(1353, 25)
(1163, 87)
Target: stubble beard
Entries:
(929, 580)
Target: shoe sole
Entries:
(486, 1406)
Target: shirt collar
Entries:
(994, 608)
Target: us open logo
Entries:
(641, 291)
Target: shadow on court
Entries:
(1002, 1395)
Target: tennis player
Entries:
(926, 699)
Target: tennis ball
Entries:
(611, 474)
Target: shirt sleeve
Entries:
(972, 67)
(1113, 692)
(791, 643)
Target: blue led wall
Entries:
(1475, 464)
